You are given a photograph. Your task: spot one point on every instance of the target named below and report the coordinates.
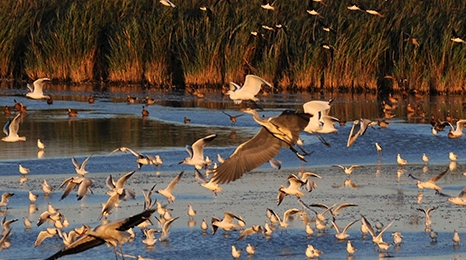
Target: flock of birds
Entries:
(282, 131)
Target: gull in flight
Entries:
(252, 86)
(456, 38)
(84, 186)
(111, 203)
(320, 122)
(49, 232)
(286, 215)
(341, 235)
(11, 130)
(80, 168)
(207, 184)
(458, 132)
(165, 229)
(227, 223)
(430, 184)
(150, 239)
(196, 152)
(276, 132)
(142, 159)
(359, 128)
(427, 214)
(250, 231)
(293, 189)
(232, 118)
(267, 6)
(167, 192)
(113, 233)
(459, 200)
(167, 3)
(36, 91)
(348, 171)
(333, 209)
(120, 184)
(376, 238)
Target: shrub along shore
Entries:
(212, 42)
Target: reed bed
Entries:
(124, 41)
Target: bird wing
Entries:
(6, 128)
(423, 210)
(381, 232)
(230, 217)
(110, 183)
(83, 165)
(281, 195)
(368, 226)
(248, 156)
(134, 153)
(173, 183)
(340, 166)
(75, 162)
(344, 205)
(462, 193)
(364, 125)
(289, 212)
(199, 176)
(83, 187)
(121, 182)
(133, 221)
(414, 178)
(80, 245)
(430, 209)
(460, 124)
(234, 86)
(437, 177)
(253, 84)
(69, 187)
(14, 125)
(167, 225)
(31, 89)
(349, 225)
(354, 133)
(335, 226)
(320, 205)
(198, 146)
(310, 174)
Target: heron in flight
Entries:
(276, 132)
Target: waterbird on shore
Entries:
(430, 184)
(397, 238)
(452, 156)
(32, 197)
(400, 160)
(196, 152)
(130, 99)
(425, 158)
(91, 99)
(113, 233)
(236, 253)
(46, 188)
(120, 184)
(251, 250)
(11, 129)
(249, 90)
(276, 132)
(167, 192)
(312, 252)
(23, 170)
(80, 168)
(36, 92)
(40, 145)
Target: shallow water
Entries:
(383, 192)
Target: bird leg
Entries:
(323, 140)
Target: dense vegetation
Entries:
(144, 41)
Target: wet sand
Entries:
(379, 192)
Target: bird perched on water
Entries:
(72, 113)
(252, 86)
(113, 233)
(276, 132)
(144, 112)
(11, 129)
(36, 92)
(456, 237)
(350, 248)
(397, 238)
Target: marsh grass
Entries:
(124, 41)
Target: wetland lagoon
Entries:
(381, 188)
